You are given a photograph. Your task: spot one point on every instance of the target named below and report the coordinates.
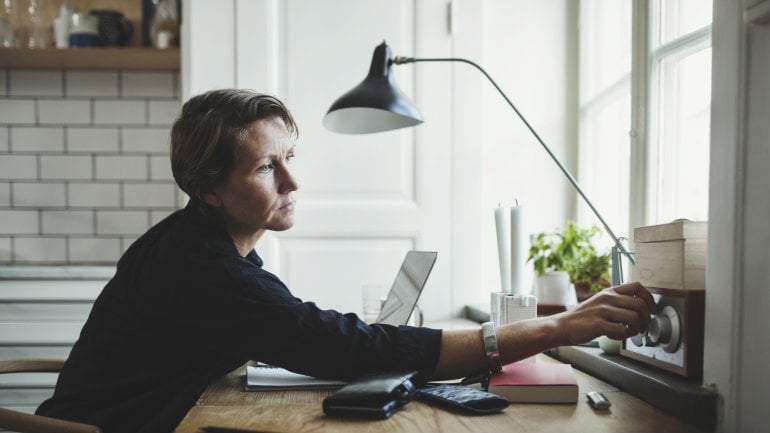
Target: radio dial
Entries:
(664, 329)
(659, 330)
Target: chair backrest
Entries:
(26, 423)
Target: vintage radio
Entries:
(671, 263)
(674, 339)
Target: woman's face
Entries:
(258, 194)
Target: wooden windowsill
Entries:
(90, 58)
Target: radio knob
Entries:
(659, 331)
(665, 329)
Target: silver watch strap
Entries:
(490, 347)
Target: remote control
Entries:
(597, 400)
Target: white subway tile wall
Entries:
(122, 222)
(121, 111)
(162, 112)
(84, 162)
(68, 222)
(4, 132)
(17, 111)
(66, 167)
(91, 83)
(18, 166)
(20, 222)
(145, 194)
(94, 249)
(36, 83)
(147, 84)
(145, 140)
(118, 167)
(5, 194)
(42, 250)
(160, 169)
(93, 195)
(30, 139)
(95, 140)
(5, 250)
(38, 195)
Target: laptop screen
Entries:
(407, 287)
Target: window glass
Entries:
(605, 114)
(683, 136)
(672, 19)
(605, 45)
(604, 162)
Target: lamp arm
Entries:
(618, 244)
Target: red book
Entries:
(526, 382)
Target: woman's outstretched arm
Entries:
(617, 312)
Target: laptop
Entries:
(407, 287)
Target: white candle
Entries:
(503, 249)
(517, 250)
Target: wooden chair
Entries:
(25, 423)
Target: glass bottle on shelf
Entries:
(38, 31)
(8, 24)
(164, 28)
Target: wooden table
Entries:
(225, 403)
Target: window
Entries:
(605, 111)
(675, 74)
(680, 101)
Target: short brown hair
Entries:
(206, 136)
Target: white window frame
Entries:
(643, 206)
(675, 49)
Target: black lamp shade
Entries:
(375, 105)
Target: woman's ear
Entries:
(211, 198)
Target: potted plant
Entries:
(573, 253)
(590, 274)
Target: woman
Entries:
(190, 302)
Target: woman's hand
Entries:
(617, 312)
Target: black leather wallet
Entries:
(461, 398)
(376, 396)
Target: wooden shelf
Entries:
(90, 58)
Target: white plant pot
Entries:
(554, 288)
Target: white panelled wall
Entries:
(363, 200)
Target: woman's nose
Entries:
(288, 182)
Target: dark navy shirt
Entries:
(184, 307)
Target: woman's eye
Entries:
(265, 168)
(289, 157)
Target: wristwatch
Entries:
(490, 347)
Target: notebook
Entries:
(536, 382)
(263, 377)
(407, 287)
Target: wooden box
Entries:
(671, 256)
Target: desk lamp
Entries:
(377, 105)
